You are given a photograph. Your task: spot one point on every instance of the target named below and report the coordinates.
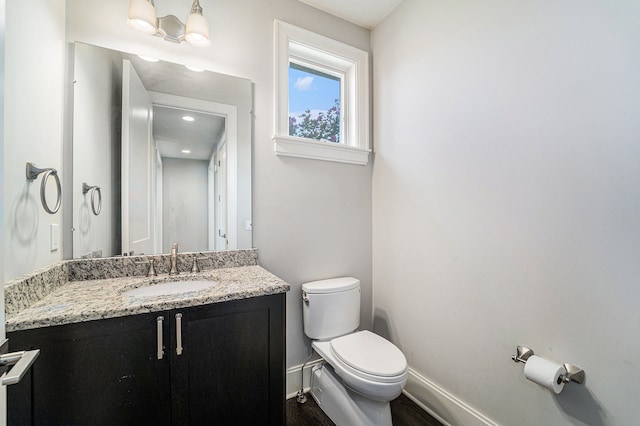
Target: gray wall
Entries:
(506, 201)
(311, 219)
(34, 70)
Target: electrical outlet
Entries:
(54, 236)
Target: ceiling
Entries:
(173, 134)
(366, 13)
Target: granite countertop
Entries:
(79, 301)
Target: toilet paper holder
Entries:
(573, 372)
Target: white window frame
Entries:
(323, 53)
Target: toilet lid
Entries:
(370, 353)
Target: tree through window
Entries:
(314, 104)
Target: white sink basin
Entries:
(168, 289)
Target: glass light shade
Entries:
(197, 32)
(142, 16)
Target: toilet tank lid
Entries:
(331, 285)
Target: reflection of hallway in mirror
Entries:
(185, 206)
(187, 141)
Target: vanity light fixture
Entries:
(186, 151)
(188, 118)
(142, 17)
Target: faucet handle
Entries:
(174, 259)
(152, 269)
(195, 268)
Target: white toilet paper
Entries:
(545, 373)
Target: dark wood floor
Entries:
(403, 411)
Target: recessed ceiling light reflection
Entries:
(148, 58)
(188, 118)
(194, 69)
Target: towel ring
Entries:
(32, 174)
(96, 206)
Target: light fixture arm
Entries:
(196, 8)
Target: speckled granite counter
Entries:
(89, 289)
(79, 301)
(20, 293)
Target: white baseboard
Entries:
(437, 401)
(441, 404)
(294, 377)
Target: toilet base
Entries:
(344, 406)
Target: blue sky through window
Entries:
(310, 89)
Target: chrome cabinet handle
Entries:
(22, 361)
(160, 348)
(178, 334)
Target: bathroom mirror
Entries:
(169, 148)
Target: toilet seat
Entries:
(373, 386)
(370, 356)
(362, 355)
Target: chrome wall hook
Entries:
(33, 172)
(96, 203)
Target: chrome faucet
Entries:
(174, 260)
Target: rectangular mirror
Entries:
(161, 155)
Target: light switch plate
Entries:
(54, 236)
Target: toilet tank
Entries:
(331, 308)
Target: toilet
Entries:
(362, 372)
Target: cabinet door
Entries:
(94, 373)
(231, 369)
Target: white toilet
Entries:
(362, 371)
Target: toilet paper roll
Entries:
(545, 373)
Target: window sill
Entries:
(290, 146)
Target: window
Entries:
(322, 97)
(314, 103)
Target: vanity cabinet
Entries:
(221, 363)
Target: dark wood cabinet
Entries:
(230, 369)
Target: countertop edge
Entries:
(67, 305)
